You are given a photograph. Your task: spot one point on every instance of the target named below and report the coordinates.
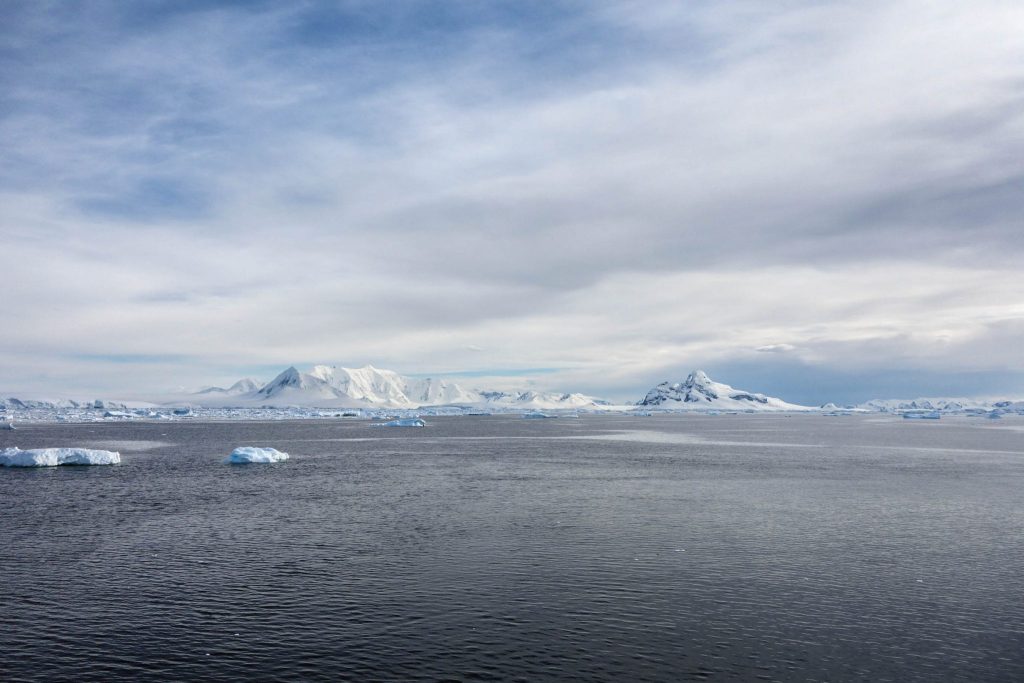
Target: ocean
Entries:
(493, 548)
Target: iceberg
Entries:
(52, 457)
(536, 415)
(921, 415)
(404, 422)
(247, 454)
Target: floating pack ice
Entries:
(403, 422)
(247, 454)
(51, 457)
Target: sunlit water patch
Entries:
(127, 444)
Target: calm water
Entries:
(488, 548)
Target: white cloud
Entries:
(776, 348)
(844, 177)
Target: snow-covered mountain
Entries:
(368, 387)
(242, 386)
(540, 400)
(942, 405)
(700, 392)
(328, 386)
(13, 403)
(20, 404)
(373, 388)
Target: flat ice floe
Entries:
(52, 457)
(404, 422)
(247, 454)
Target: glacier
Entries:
(252, 454)
(53, 457)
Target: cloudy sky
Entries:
(818, 200)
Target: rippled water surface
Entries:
(495, 548)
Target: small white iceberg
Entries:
(403, 422)
(537, 415)
(52, 457)
(247, 454)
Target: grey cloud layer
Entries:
(616, 189)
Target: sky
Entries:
(822, 201)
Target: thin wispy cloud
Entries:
(618, 190)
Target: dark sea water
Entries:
(495, 548)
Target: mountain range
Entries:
(333, 387)
(327, 386)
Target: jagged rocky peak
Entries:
(696, 388)
(289, 378)
(699, 387)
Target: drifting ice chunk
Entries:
(247, 454)
(537, 416)
(404, 422)
(51, 457)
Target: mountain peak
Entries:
(288, 378)
(698, 377)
